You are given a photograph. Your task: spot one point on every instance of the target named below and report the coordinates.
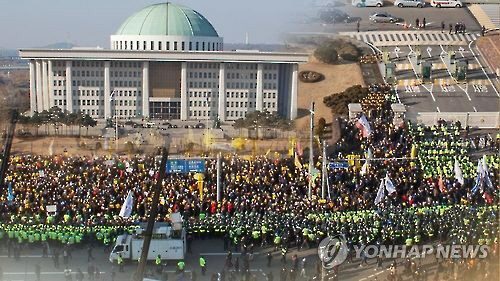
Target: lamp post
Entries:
(112, 96)
(311, 152)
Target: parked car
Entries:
(331, 16)
(367, 3)
(447, 3)
(383, 18)
(409, 3)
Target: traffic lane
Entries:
(487, 103)
(422, 103)
(454, 102)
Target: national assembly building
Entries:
(165, 62)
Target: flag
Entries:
(364, 126)
(389, 186)
(486, 175)
(297, 161)
(300, 151)
(441, 184)
(127, 206)
(364, 169)
(479, 177)
(458, 173)
(10, 193)
(413, 154)
(380, 193)
(369, 153)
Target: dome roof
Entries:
(167, 19)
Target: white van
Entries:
(446, 3)
(367, 3)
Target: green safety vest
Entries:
(181, 265)
(202, 262)
(158, 261)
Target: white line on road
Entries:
(430, 91)
(449, 72)
(474, 108)
(484, 71)
(27, 256)
(437, 107)
(43, 273)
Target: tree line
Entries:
(55, 118)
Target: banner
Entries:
(127, 206)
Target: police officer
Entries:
(120, 262)
(203, 265)
(159, 268)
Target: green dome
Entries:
(167, 19)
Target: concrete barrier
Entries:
(481, 120)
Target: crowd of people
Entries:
(266, 200)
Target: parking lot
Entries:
(433, 16)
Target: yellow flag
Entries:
(414, 151)
(297, 162)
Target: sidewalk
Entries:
(489, 46)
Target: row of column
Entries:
(222, 91)
(42, 94)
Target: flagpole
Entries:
(139, 274)
(311, 150)
(324, 172)
(218, 177)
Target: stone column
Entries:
(107, 90)
(32, 87)
(222, 92)
(260, 87)
(184, 94)
(69, 86)
(45, 86)
(51, 85)
(39, 87)
(293, 94)
(145, 89)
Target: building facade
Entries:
(165, 62)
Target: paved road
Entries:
(432, 15)
(212, 250)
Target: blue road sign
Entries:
(197, 166)
(339, 165)
(185, 166)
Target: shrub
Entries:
(327, 54)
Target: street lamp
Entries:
(112, 96)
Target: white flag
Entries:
(486, 174)
(127, 206)
(364, 169)
(364, 126)
(380, 193)
(389, 186)
(458, 173)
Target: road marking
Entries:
(45, 273)
(429, 49)
(27, 256)
(430, 91)
(449, 72)
(484, 71)
(474, 108)
(438, 109)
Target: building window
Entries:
(183, 45)
(152, 45)
(144, 45)
(159, 45)
(203, 46)
(190, 46)
(197, 46)
(175, 46)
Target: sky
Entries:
(89, 23)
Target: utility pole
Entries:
(218, 177)
(311, 150)
(139, 274)
(324, 172)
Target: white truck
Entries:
(167, 241)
